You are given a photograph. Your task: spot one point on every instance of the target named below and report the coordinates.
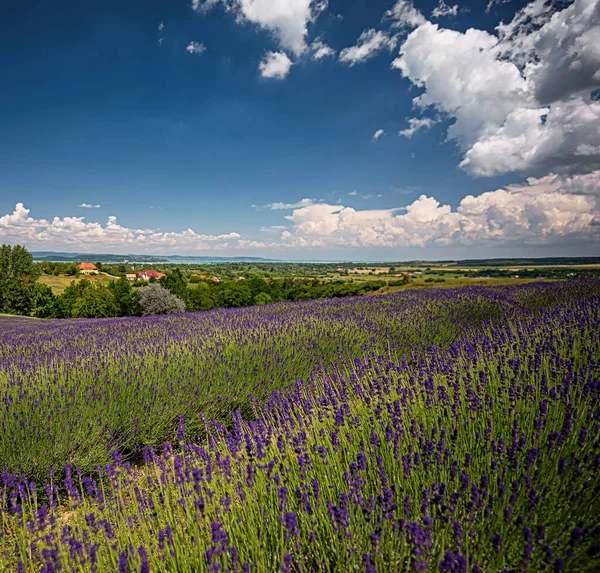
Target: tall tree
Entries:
(18, 274)
(200, 298)
(43, 301)
(66, 301)
(176, 284)
(96, 302)
(122, 292)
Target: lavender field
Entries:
(437, 430)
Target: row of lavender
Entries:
(483, 456)
(73, 392)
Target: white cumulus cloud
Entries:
(275, 65)
(550, 210)
(287, 20)
(547, 210)
(76, 233)
(521, 99)
(90, 206)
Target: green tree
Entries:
(96, 302)
(176, 284)
(43, 301)
(200, 298)
(257, 285)
(122, 292)
(18, 274)
(72, 270)
(17, 297)
(62, 307)
(235, 294)
(262, 298)
(66, 301)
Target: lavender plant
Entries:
(477, 450)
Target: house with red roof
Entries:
(150, 274)
(87, 269)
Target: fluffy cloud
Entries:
(275, 65)
(404, 14)
(195, 48)
(76, 233)
(549, 210)
(379, 133)
(90, 206)
(442, 9)
(521, 99)
(369, 44)
(320, 50)
(287, 19)
(415, 124)
(543, 211)
(560, 50)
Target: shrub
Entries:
(157, 300)
(262, 298)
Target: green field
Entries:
(59, 283)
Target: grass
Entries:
(454, 282)
(59, 283)
(3, 315)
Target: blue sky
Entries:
(171, 116)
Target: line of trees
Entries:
(21, 293)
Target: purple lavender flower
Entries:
(454, 562)
(369, 566)
(497, 542)
(145, 567)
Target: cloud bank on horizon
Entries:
(547, 210)
(524, 99)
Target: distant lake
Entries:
(186, 261)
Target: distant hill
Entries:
(57, 256)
